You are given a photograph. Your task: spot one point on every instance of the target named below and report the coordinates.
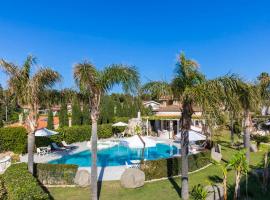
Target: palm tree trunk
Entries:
(186, 122)
(237, 186)
(30, 149)
(225, 187)
(247, 133)
(94, 138)
(232, 133)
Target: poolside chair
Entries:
(57, 148)
(40, 152)
(67, 145)
(131, 165)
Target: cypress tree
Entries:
(76, 117)
(50, 120)
(63, 115)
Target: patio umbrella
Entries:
(120, 124)
(193, 136)
(135, 142)
(45, 132)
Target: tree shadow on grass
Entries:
(41, 184)
(170, 174)
(215, 179)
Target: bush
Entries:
(13, 139)
(75, 134)
(20, 184)
(259, 139)
(105, 130)
(155, 169)
(51, 174)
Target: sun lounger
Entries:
(57, 148)
(67, 145)
(133, 164)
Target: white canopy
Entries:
(135, 142)
(45, 132)
(120, 124)
(193, 136)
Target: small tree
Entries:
(240, 165)
(224, 169)
(50, 120)
(76, 113)
(63, 115)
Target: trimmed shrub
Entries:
(51, 174)
(105, 131)
(20, 184)
(155, 169)
(75, 134)
(121, 119)
(13, 139)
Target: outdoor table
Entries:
(45, 150)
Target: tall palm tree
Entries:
(96, 83)
(192, 89)
(249, 99)
(29, 88)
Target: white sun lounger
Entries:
(57, 148)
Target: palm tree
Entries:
(240, 165)
(249, 99)
(29, 89)
(96, 83)
(192, 89)
(264, 86)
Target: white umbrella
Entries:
(135, 142)
(45, 132)
(193, 136)
(120, 124)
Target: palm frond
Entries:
(157, 89)
(9, 68)
(45, 78)
(86, 76)
(125, 75)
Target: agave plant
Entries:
(198, 192)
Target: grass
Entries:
(169, 189)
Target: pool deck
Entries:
(104, 173)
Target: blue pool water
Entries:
(118, 155)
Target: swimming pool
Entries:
(118, 155)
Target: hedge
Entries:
(60, 174)
(155, 169)
(75, 134)
(20, 184)
(13, 139)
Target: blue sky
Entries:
(223, 36)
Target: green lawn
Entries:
(166, 189)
